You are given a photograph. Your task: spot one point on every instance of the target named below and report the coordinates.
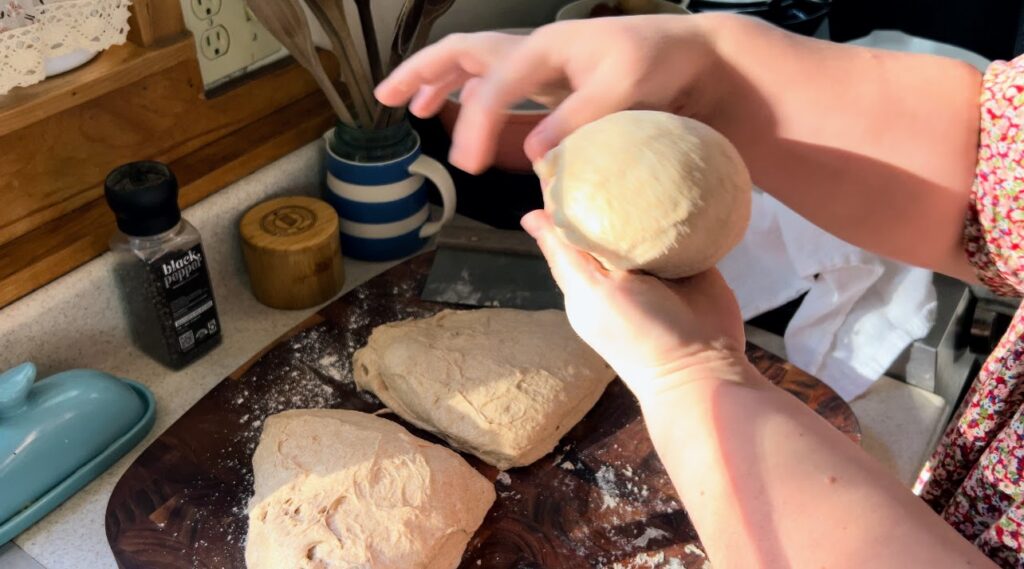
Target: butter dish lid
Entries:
(59, 433)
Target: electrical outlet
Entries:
(215, 42)
(203, 9)
(229, 40)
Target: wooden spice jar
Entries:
(292, 252)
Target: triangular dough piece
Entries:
(345, 489)
(502, 384)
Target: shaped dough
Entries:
(344, 489)
(648, 190)
(502, 384)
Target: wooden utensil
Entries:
(432, 11)
(401, 47)
(331, 15)
(182, 503)
(405, 31)
(286, 22)
(411, 35)
(370, 39)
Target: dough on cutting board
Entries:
(502, 384)
(345, 489)
(648, 190)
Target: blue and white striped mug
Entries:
(383, 208)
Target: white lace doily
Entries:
(38, 32)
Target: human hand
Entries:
(585, 69)
(658, 335)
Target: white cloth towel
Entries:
(861, 311)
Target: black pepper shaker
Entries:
(161, 268)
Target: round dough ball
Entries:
(650, 191)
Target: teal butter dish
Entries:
(59, 433)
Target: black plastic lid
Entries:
(144, 198)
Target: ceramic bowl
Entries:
(581, 8)
(64, 63)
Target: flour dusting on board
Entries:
(606, 483)
(697, 552)
(653, 561)
(324, 353)
(644, 560)
(648, 535)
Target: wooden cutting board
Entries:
(601, 498)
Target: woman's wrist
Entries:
(699, 368)
(715, 89)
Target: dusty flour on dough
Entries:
(648, 190)
(502, 384)
(344, 489)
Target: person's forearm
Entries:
(770, 484)
(877, 147)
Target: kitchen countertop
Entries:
(76, 322)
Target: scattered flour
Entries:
(503, 479)
(649, 534)
(651, 560)
(606, 483)
(694, 550)
(328, 352)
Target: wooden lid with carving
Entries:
(292, 252)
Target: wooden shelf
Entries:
(143, 99)
(114, 68)
(59, 246)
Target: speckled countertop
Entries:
(76, 321)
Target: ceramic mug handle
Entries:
(436, 172)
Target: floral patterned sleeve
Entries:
(975, 477)
(993, 233)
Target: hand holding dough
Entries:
(649, 191)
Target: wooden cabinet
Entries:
(140, 100)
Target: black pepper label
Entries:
(188, 313)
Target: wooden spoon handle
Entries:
(370, 39)
(286, 22)
(326, 12)
(359, 73)
(321, 78)
(432, 12)
(405, 32)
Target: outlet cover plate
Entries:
(230, 41)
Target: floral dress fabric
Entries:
(975, 478)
